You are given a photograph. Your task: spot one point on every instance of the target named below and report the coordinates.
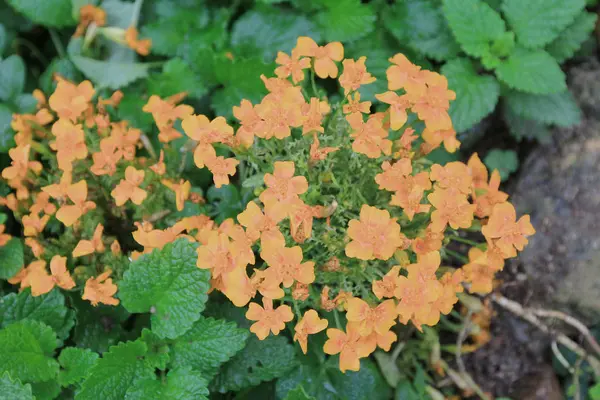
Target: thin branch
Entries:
(559, 356)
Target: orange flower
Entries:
(85, 247)
(505, 231)
(491, 196)
(33, 225)
(454, 175)
(128, 188)
(60, 275)
(452, 209)
(42, 204)
(397, 110)
(312, 117)
(105, 161)
(350, 345)
(285, 264)
(324, 56)
(319, 153)
(4, 237)
(378, 319)
(140, 46)
(478, 171)
(69, 144)
(432, 107)
(355, 75)
(326, 303)
(446, 136)
(300, 291)
(386, 287)
(151, 238)
(450, 284)
(249, 122)
(221, 169)
(89, 14)
(283, 187)
(238, 287)
(354, 105)
(268, 319)
(36, 248)
(258, 223)
(221, 255)
(182, 191)
(37, 277)
(165, 112)
(10, 201)
(309, 324)
(291, 66)
(405, 75)
(205, 131)
(20, 164)
(478, 273)
(301, 219)
(430, 241)
(77, 193)
(59, 190)
(101, 289)
(416, 295)
(370, 138)
(376, 235)
(70, 101)
(392, 177)
(280, 112)
(160, 168)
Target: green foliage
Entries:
(505, 161)
(532, 72)
(55, 13)
(556, 109)
(167, 284)
(13, 389)
(570, 40)
(12, 77)
(11, 258)
(76, 364)
(345, 20)
(181, 384)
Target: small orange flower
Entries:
(182, 191)
(60, 275)
(376, 235)
(36, 248)
(285, 264)
(505, 231)
(301, 219)
(378, 319)
(429, 241)
(249, 122)
(59, 190)
(205, 131)
(33, 225)
(258, 223)
(355, 75)
(89, 14)
(436, 138)
(4, 237)
(478, 273)
(326, 303)
(160, 168)
(319, 153)
(350, 345)
(128, 188)
(86, 247)
(451, 208)
(105, 161)
(221, 169)
(283, 188)
(37, 277)
(324, 56)
(165, 113)
(309, 324)
(300, 292)
(221, 255)
(354, 105)
(20, 164)
(478, 171)
(77, 193)
(279, 113)
(397, 110)
(454, 175)
(392, 177)
(312, 117)
(268, 319)
(405, 75)
(291, 66)
(70, 101)
(416, 295)
(101, 289)
(69, 144)
(432, 107)
(370, 138)
(42, 204)
(386, 287)
(141, 46)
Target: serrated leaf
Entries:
(571, 39)
(11, 389)
(49, 308)
(267, 31)
(11, 258)
(476, 95)
(76, 365)
(26, 351)
(475, 25)
(259, 361)
(112, 74)
(298, 394)
(534, 72)
(538, 22)
(48, 390)
(115, 374)
(177, 76)
(158, 349)
(556, 109)
(521, 127)
(56, 13)
(181, 384)
(12, 77)
(168, 284)
(346, 20)
(6, 136)
(207, 345)
(505, 161)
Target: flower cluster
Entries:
(365, 216)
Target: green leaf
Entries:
(11, 258)
(521, 127)
(116, 373)
(26, 351)
(534, 72)
(177, 76)
(55, 13)
(62, 66)
(227, 202)
(267, 31)
(594, 392)
(48, 390)
(538, 22)
(6, 137)
(181, 384)
(475, 25)
(168, 284)
(12, 77)
(3, 38)
(377, 52)
(571, 39)
(298, 394)
(97, 328)
(423, 26)
(110, 74)
(11, 389)
(259, 361)
(25, 103)
(76, 365)
(49, 308)
(476, 95)
(405, 391)
(207, 345)
(556, 109)
(505, 161)
(346, 20)
(158, 349)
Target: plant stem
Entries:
(60, 49)
(460, 239)
(456, 255)
(337, 319)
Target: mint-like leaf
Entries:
(76, 364)
(181, 384)
(534, 72)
